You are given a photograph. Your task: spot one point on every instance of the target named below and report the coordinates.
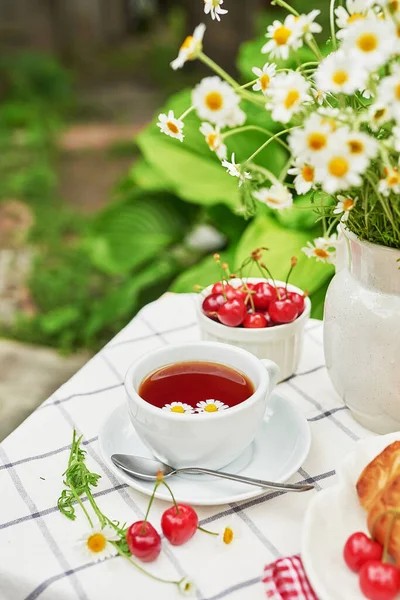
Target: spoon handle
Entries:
(284, 487)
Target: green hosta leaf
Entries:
(283, 244)
(147, 178)
(204, 273)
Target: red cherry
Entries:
(232, 292)
(143, 541)
(255, 321)
(281, 292)
(298, 300)
(218, 288)
(359, 549)
(265, 293)
(180, 525)
(232, 313)
(270, 322)
(248, 286)
(283, 311)
(211, 304)
(379, 581)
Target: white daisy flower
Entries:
(171, 126)
(191, 47)
(214, 140)
(313, 138)
(362, 148)
(210, 406)
(228, 536)
(265, 75)
(179, 407)
(214, 100)
(234, 169)
(344, 206)
(187, 587)
(337, 171)
(284, 36)
(322, 249)
(214, 7)
(354, 11)
(277, 196)
(378, 114)
(307, 22)
(305, 176)
(236, 118)
(319, 96)
(96, 543)
(287, 92)
(391, 182)
(389, 91)
(371, 42)
(338, 73)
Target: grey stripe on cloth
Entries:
(156, 333)
(253, 527)
(327, 413)
(149, 335)
(309, 479)
(79, 394)
(111, 367)
(236, 588)
(45, 455)
(331, 417)
(51, 542)
(314, 370)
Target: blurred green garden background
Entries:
(72, 277)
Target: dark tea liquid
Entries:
(193, 382)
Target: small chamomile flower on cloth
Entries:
(305, 176)
(344, 206)
(362, 148)
(96, 543)
(171, 126)
(214, 140)
(390, 183)
(353, 11)
(210, 406)
(179, 407)
(190, 48)
(234, 169)
(336, 170)
(213, 7)
(371, 42)
(322, 249)
(284, 37)
(313, 138)
(265, 75)
(228, 536)
(187, 587)
(338, 73)
(214, 100)
(287, 93)
(277, 196)
(307, 24)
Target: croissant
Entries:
(378, 489)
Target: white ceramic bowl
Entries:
(210, 440)
(281, 344)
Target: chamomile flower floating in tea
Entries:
(210, 406)
(178, 407)
(96, 544)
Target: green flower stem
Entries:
(207, 531)
(285, 169)
(172, 495)
(332, 22)
(253, 128)
(265, 172)
(98, 513)
(149, 506)
(79, 501)
(274, 137)
(284, 4)
(142, 569)
(246, 85)
(185, 114)
(384, 204)
(311, 63)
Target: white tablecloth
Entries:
(38, 555)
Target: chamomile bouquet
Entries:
(339, 117)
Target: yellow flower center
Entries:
(329, 121)
(212, 140)
(340, 77)
(354, 17)
(338, 166)
(96, 542)
(178, 409)
(187, 43)
(356, 147)
(367, 42)
(214, 101)
(211, 408)
(292, 97)
(264, 81)
(321, 253)
(394, 178)
(348, 204)
(317, 141)
(228, 536)
(379, 114)
(172, 127)
(394, 5)
(307, 173)
(397, 91)
(281, 35)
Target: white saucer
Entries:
(277, 452)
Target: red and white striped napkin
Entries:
(286, 579)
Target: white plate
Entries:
(332, 516)
(278, 451)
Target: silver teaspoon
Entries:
(147, 468)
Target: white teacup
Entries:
(210, 440)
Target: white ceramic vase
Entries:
(362, 333)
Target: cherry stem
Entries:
(172, 496)
(269, 275)
(249, 295)
(143, 570)
(143, 530)
(392, 511)
(207, 531)
(387, 538)
(288, 277)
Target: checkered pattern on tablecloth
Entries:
(37, 554)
